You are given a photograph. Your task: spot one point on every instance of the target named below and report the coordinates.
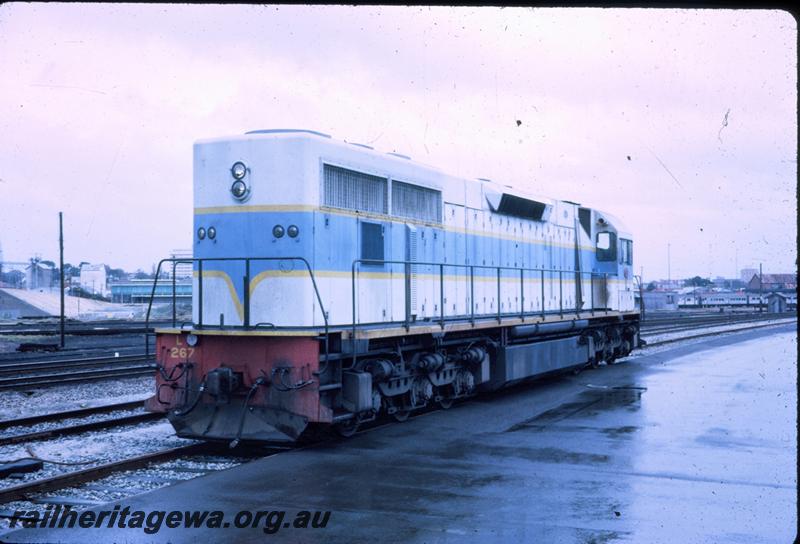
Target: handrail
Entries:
(471, 275)
(409, 268)
(641, 295)
(246, 281)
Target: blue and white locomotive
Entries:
(334, 283)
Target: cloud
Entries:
(103, 102)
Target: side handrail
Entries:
(246, 282)
(471, 275)
(641, 296)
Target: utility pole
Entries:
(61, 269)
(760, 289)
(669, 270)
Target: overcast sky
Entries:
(681, 122)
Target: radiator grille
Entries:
(416, 202)
(353, 190)
(411, 269)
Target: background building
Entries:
(94, 279)
(139, 291)
(773, 282)
(39, 275)
(747, 274)
(660, 300)
(776, 303)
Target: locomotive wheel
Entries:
(348, 428)
(445, 403)
(394, 407)
(401, 415)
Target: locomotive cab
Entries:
(614, 257)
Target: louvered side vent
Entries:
(353, 190)
(411, 255)
(416, 202)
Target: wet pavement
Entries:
(692, 444)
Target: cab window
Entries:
(625, 251)
(606, 246)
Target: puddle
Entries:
(617, 432)
(718, 437)
(590, 403)
(461, 450)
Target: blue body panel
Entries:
(331, 242)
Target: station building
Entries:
(138, 291)
(773, 282)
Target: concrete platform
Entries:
(44, 302)
(692, 444)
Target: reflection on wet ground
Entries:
(589, 403)
(695, 448)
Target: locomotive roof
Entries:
(437, 176)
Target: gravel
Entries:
(122, 485)
(43, 400)
(97, 447)
(105, 446)
(67, 422)
(92, 448)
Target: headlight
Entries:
(238, 170)
(293, 231)
(191, 340)
(239, 189)
(277, 231)
(212, 233)
(201, 233)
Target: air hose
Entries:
(194, 402)
(256, 384)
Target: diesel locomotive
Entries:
(334, 284)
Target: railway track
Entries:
(78, 477)
(46, 380)
(119, 347)
(670, 317)
(681, 324)
(61, 371)
(94, 328)
(68, 414)
(72, 478)
(27, 491)
(78, 428)
(66, 364)
(711, 333)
